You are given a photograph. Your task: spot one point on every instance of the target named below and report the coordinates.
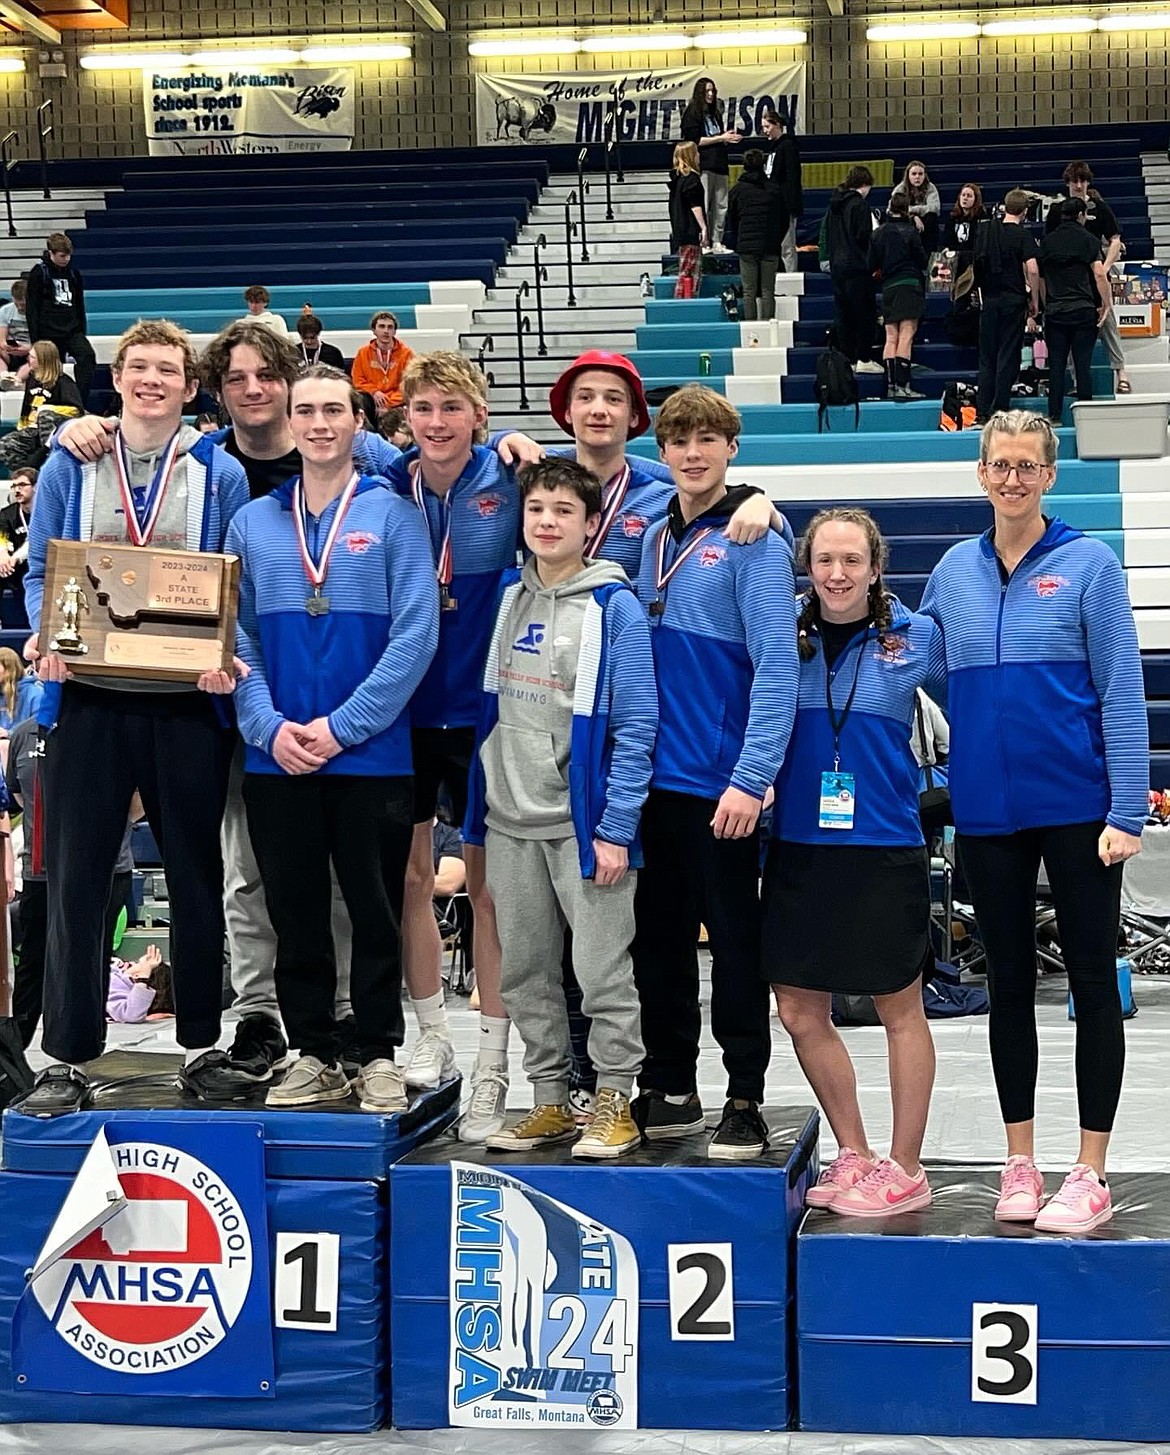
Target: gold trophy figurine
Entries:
(71, 603)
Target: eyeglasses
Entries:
(1028, 472)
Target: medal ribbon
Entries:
(445, 566)
(316, 571)
(615, 494)
(665, 575)
(140, 525)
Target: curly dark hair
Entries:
(280, 356)
(879, 555)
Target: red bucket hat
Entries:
(558, 399)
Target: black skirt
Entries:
(851, 920)
(903, 303)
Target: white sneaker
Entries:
(485, 1109)
(868, 366)
(582, 1104)
(380, 1086)
(431, 1061)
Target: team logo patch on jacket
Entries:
(892, 648)
(1047, 585)
(358, 542)
(712, 555)
(487, 505)
(633, 525)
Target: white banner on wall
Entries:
(573, 106)
(236, 111)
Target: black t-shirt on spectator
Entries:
(1066, 265)
(446, 841)
(1100, 219)
(1016, 247)
(263, 475)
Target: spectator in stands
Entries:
(782, 169)
(140, 988)
(312, 350)
(392, 426)
(20, 692)
(110, 739)
(208, 423)
(1101, 221)
(688, 222)
(702, 124)
(851, 842)
(450, 870)
(1076, 294)
(14, 519)
(1008, 278)
(1049, 764)
(50, 398)
(726, 616)
(258, 298)
(55, 308)
(328, 758)
(758, 221)
(849, 230)
(962, 220)
(15, 341)
(925, 204)
(379, 365)
(897, 257)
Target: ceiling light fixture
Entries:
(620, 44)
(551, 45)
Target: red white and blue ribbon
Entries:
(615, 494)
(316, 571)
(444, 567)
(140, 524)
(665, 574)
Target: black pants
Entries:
(1001, 337)
(28, 989)
(174, 749)
(692, 878)
(1001, 873)
(84, 358)
(1065, 334)
(854, 314)
(362, 825)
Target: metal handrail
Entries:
(618, 94)
(6, 165)
(523, 326)
(44, 131)
(570, 230)
(541, 273)
(606, 148)
(582, 189)
(487, 345)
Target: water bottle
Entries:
(705, 365)
(1040, 354)
(1026, 355)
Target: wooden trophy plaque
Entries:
(139, 611)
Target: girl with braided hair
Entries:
(847, 837)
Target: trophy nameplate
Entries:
(139, 611)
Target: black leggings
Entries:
(1001, 872)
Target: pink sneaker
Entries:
(1082, 1204)
(839, 1176)
(1020, 1189)
(885, 1190)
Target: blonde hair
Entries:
(686, 157)
(1017, 422)
(11, 671)
(162, 333)
(48, 369)
(450, 373)
(695, 407)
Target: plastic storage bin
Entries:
(1122, 429)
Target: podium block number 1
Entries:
(307, 1268)
(1003, 1353)
(702, 1294)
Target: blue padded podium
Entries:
(241, 1283)
(945, 1322)
(655, 1292)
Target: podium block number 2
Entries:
(307, 1267)
(702, 1295)
(1003, 1353)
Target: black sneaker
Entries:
(259, 1048)
(656, 1118)
(56, 1092)
(348, 1054)
(212, 1077)
(740, 1135)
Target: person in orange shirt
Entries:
(379, 365)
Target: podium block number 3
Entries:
(702, 1294)
(1003, 1353)
(307, 1266)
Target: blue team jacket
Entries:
(485, 537)
(875, 737)
(357, 665)
(725, 659)
(65, 501)
(615, 715)
(1046, 701)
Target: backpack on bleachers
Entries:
(959, 407)
(835, 385)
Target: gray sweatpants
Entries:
(251, 938)
(1110, 336)
(537, 889)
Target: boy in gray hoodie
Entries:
(557, 786)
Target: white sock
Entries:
(493, 1038)
(432, 1014)
(193, 1053)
